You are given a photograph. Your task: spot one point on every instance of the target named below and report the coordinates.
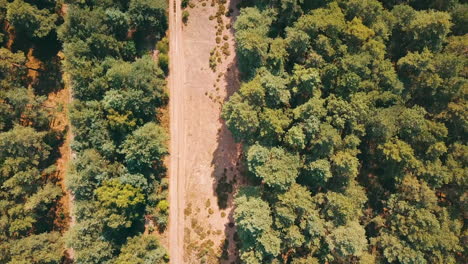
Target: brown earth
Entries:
(203, 152)
(57, 102)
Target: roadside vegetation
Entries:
(353, 117)
(31, 216)
(117, 177)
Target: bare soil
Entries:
(203, 152)
(57, 102)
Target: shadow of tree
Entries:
(227, 159)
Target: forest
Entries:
(352, 116)
(353, 119)
(116, 178)
(31, 216)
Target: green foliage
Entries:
(352, 117)
(241, 118)
(28, 19)
(185, 16)
(348, 241)
(145, 146)
(43, 248)
(149, 16)
(343, 208)
(185, 3)
(252, 41)
(253, 218)
(115, 177)
(31, 221)
(416, 30)
(120, 202)
(428, 234)
(85, 240)
(276, 167)
(142, 249)
(460, 19)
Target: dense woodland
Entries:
(353, 118)
(117, 176)
(352, 114)
(31, 220)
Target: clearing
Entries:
(204, 158)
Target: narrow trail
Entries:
(176, 108)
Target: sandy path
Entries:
(202, 149)
(177, 132)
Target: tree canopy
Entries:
(351, 114)
(119, 143)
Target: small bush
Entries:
(163, 61)
(163, 45)
(185, 3)
(163, 205)
(185, 16)
(188, 211)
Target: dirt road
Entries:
(177, 132)
(203, 152)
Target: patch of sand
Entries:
(202, 149)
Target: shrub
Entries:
(185, 3)
(163, 61)
(185, 16)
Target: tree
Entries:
(90, 128)
(142, 249)
(46, 248)
(342, 103)
(276, 167)
(252, 41)
(297, 44)
(254, 221)
(145, 147)
(118, 22)
(121, 202)
(273, 124)
(276, 89)
(241, 118)
(22, 153)
(343, 208)
(149, 16)
(345, 165)
(19, 106)
(460, 19)
(12, 68)
(298, 220)
(295, 138)
(84, 238)
(398, 158)
(317, 173)
(347, 241)
(30, 20)
(87, 172)
(417, 30)
(422, 232)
